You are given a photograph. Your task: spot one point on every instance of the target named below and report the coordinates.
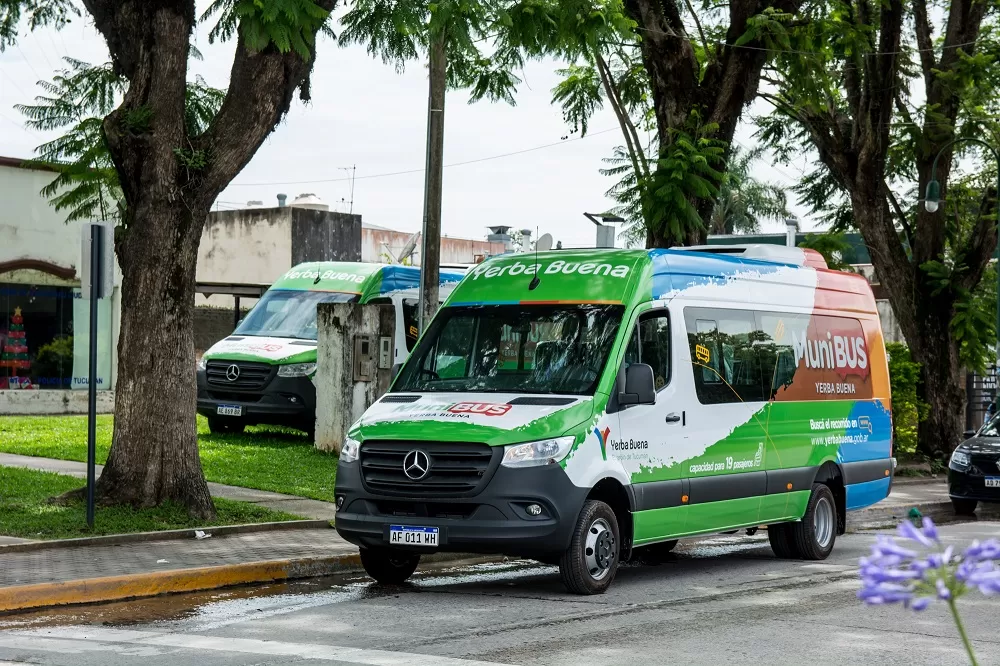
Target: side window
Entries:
(723, 355)
(632, 349)
(410, 321)
(775, 350)
(654, 346)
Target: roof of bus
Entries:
(626, 276)
(364, 279)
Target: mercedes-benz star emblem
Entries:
(416, 465)
(233, 373)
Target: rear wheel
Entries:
(816, 533)
(590, 563)
(390, 567)
(780, 536)
(225, 426)
(964, 507)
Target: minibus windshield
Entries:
(514, 349)
(286, 313)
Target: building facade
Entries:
(40, 288)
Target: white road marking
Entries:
(79, 639)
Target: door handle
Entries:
(673, 418)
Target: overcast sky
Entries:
(366, 116)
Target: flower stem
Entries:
(961, 632)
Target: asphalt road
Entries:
(724, 600)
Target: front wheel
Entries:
(964, 507)
(389, 567)
(225, 426)
(814, 536)
(590, 563)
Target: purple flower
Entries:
(921, 603)
(886, 546)
(944, 594)
(930, 529)
(989, 550)
(885, 593)
(908, 531)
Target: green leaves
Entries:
(907, 408)
(37, 13)
(579, 94)
(288, 25)
(76, 101)
(745, 200)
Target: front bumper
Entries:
(971, 485)
(493, 521)
(284, 401)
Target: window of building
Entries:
(36, 336)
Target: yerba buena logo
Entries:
(602, 439)
(848, 355)
(325, 275)
(556, 267)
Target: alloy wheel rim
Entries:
(823, 522)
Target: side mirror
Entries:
(969, 434)
(395, 371)
(640, 388)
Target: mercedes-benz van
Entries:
(263, 372)
(578, 406)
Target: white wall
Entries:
(30, 228)
(251, 246)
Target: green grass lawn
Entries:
(25, 512)
(264, 458)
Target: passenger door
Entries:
(649, 435)
(725, 465)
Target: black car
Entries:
(974, 469)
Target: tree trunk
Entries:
(943, 389)
(154, 457)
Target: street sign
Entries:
(97, 281)
(105, 275)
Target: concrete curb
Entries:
(918, 480)
(167, 535)
(120, 588)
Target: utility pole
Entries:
(430, 253)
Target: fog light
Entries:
(340, 502)
(534, 510)
(293, 399)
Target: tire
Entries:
(780, 536)
(389, 567)
(590, 563)
(814, 536)
(964, 507)
(225, 426)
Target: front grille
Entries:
(444, 510)
(252, 376)
(984, 465)
(456, 469)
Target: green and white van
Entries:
(263, 372)
(577, 406)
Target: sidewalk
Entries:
(299, 506)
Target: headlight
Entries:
(534, 454)
(960, 460)
(202, 363)
(296, 370)
(349, 452)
